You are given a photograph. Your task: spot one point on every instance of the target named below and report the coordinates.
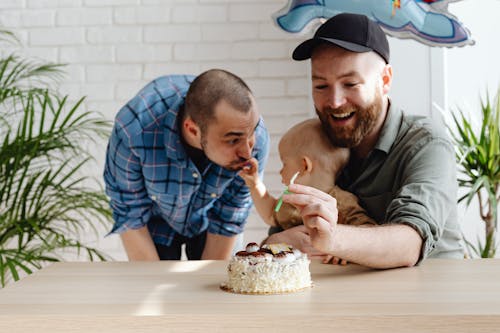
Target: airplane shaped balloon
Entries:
(427, 21)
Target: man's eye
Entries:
(233, 141)
(350, 84)
(320, 86)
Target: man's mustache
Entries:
(341, 110)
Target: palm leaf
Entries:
(8, 36)
(45, 208)
(478, 156)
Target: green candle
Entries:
(285, 191)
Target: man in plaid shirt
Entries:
(172, 166)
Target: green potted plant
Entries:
(478, 157)
(47, 203)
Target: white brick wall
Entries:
(134, 41)
(114, 47)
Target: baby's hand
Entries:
(250, 173)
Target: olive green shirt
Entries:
(410, 178)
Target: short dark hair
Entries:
(208, 89)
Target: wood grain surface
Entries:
(173, 296)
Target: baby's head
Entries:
(305, 147)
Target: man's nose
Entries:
(245, 150)
(337, 99)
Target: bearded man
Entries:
(172, 166)
(402, 167)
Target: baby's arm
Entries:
(263, 201)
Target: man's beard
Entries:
(351, 136)
(236, 165)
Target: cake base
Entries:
(229, 290)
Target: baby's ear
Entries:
(307, 164)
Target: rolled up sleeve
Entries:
(124, 183)
(429, 192)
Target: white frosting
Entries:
(297, 253)
(252, 248)
(268, 274)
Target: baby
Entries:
(305, 149)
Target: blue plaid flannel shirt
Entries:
(147, 172)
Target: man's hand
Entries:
(319, 213)
(299, 238)
(329, 259)
(139, 245)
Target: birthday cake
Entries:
(270, 269)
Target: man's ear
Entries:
(386, 79)
(307, 164)
(191, 132)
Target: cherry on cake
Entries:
(270, 269)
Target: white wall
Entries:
(114, 47)
(470, 73)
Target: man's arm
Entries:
(128, 198)
(384, 246)
(387, 246)
(218, 247)
(139, 245)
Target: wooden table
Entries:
(437, 296)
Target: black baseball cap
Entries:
(353, 32)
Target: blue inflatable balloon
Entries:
(427, 21)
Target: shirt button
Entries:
(213, 195)
(153, 197)
(195, 175)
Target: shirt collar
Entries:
(172, 134)
(390, 129)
